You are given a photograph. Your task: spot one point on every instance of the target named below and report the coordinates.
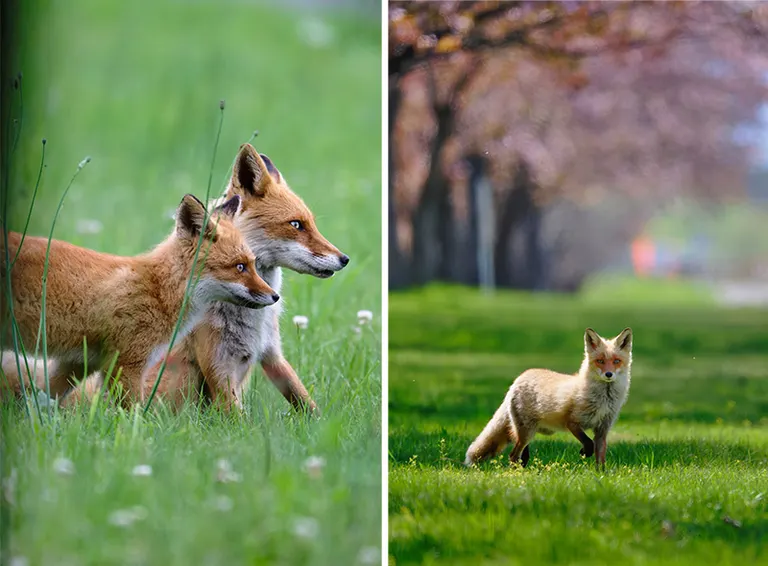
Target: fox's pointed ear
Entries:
(190, 217)
(591, 340)
(624, 339)
(251, 173)
(230, 207)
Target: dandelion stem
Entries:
(43, 331)
(192, 276)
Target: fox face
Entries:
(227, 269)
(276, 223)
(609, 359)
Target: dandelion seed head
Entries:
(126, 517)
(63, 466)
(364, 317)
(306, 527)
(19, 561)
(142, 470)
(313, 466)
(300, 321)
(225, 474)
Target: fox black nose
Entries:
(275, 297)
(344, 259)
(609, 374)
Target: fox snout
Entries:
(259, 299)
(260, 294)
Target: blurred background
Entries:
(557, 145)
(136, 86)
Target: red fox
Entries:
(545, 401)
(130, 305)
(218, 358)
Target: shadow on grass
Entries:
(440, 449)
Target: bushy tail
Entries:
(495, 436)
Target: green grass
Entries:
(136, 86)
(688, 453)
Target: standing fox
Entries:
(544, 401)
(220, 354)
(130, 305)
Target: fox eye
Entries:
(601, 361)
(240, 267)
(297, 224)
(616, 362)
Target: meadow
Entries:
(136, 86)
(687, 474)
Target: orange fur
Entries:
(127, 305)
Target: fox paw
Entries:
(587, 452)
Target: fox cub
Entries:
(129, 305)
(545, 401)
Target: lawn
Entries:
(687, 476)
(136, 86)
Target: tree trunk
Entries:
(398, 276)
(433, 222)
(515, 210)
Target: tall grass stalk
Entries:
(192, 275)
(42, 332)
(32, 204)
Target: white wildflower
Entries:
(63, 466)
(369, 555)
(19, 561)
(364, 317)
(126, 517)
(313, 466)
(142, 470)
(225, 474)
(306, 527)
(88, 226)
(300, 321)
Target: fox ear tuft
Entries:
(230, 207)
(190, 217)
(624, 339)
(250, 175)
(591, 340)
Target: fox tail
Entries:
(495, 436)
